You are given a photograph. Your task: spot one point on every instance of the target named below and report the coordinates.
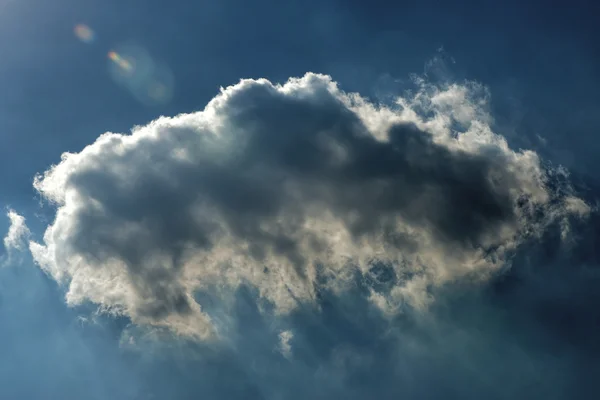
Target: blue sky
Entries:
(159, 277)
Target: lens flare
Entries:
(84, 33)
(133, 68)
(120, 61)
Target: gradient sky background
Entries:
(519, 338)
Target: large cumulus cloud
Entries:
(293, 189)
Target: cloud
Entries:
(285, 347)
(294, 189)
(18, 235)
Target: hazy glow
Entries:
(132, 67)
(84, 33)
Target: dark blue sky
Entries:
(541, 63)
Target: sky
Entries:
(300, 199)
